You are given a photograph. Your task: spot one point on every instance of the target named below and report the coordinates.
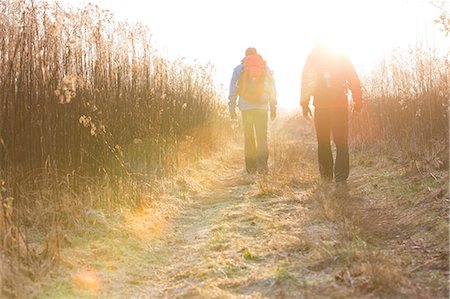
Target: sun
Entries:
(350, 27)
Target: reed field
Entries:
(104, 139)
(88, 104)
(406, 98)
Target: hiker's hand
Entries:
(233, 115)
(307, 112)
(273, 114)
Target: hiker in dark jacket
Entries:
(253, 83)
(328, 76)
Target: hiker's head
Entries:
(322, 43)
(250, 51)
(326, 43)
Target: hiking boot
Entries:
(263, 170)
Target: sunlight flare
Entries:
(87, 280)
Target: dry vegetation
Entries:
(89, 113)
(92, 119)
(387, 237)
(225, 234)
(407, 109)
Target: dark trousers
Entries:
(332, 121)
(255, 136)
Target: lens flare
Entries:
(88, 280)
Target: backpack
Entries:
(330, 76)
(252, 79)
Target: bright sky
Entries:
(283, 31)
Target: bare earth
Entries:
(220, 233)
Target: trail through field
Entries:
(230, 239)
(226, 234)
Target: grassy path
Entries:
(225, 234)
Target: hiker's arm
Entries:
(353, 84)
(308, 82)
(233, 91)
(272, 92)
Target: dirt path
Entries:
(235, 236)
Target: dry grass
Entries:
(91, 118)
(406, 112)
(390, 230)
(215, 233)
(101, 99)
(391, 226)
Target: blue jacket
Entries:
(270, 95)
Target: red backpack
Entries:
(252, 78)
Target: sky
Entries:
(283, 31)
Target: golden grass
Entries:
(86, 144)
(225, 239)
(406, 108)
(91, 119)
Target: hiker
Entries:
(328, 76)
(253, 83)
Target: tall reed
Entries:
(78, 88)
(85, 100)
(407, 106)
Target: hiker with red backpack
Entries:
(253, 83)
(328, 76)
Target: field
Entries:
(220, 233)
(122, 176)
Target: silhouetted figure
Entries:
(328, 76)
(253, 83)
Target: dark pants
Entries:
(255, 136)
(332, 121)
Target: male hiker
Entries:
(327, 76)
(253, 83)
